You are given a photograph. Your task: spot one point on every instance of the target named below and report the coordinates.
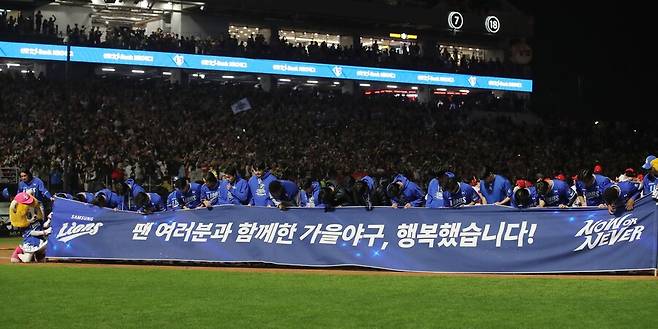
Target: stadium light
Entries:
(228, 76)
(137, 71)
(414, 88)
(25, 71)
(166, 73)
(364, 84)
(284, 80)
(596, 122)
(336, 83)
(13, 64)
(441, 89)
(312, 81)
(108, 69)
(464, 91)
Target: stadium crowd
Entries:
(151, 131)
(38, 28)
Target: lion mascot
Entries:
(26, 213)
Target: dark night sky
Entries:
(601, 47)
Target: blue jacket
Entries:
(259, 189)
(238, 194)
(155, 202)
(290, 193)
(36, 188)
(594, 194)
(410, 192)
(497, 191)
(89, 197)
(434, 196)
(112, 200)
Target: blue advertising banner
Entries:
(260, 66)
(265, 66)
(484, 239)
(32, 51)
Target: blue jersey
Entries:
(238, 194)
(434, 196)
(134, 187)
(534, 198)
(290, 193)
(190, 199)
(259, 188)
(64, 195)
(36, 188)
(593, 194)
(173, 201)
(112, 200)
(155, 202)
(28, 238)
(649, 183)
(497, 191)
(409, 193)
(88, 196)
(465, 195)
(628, 190)
(210, 194)
(561, 193)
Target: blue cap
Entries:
(5, 193)
(647, 162)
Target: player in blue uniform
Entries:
(590, 187)
(259, 185)
(620, 196)
(495, 188)
(457, 194)
(555, 193)
(405, 193)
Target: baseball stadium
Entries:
(343, 164)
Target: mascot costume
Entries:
(26, 213)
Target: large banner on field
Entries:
(472, 239)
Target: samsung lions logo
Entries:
(179, 60)
(338, 71)
(472, 80)
(70, 231)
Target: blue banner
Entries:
(484, 239)
(314, 70)
(259, 66)
(32, 51)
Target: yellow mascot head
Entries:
(24, 210)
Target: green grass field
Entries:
(62, 296)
